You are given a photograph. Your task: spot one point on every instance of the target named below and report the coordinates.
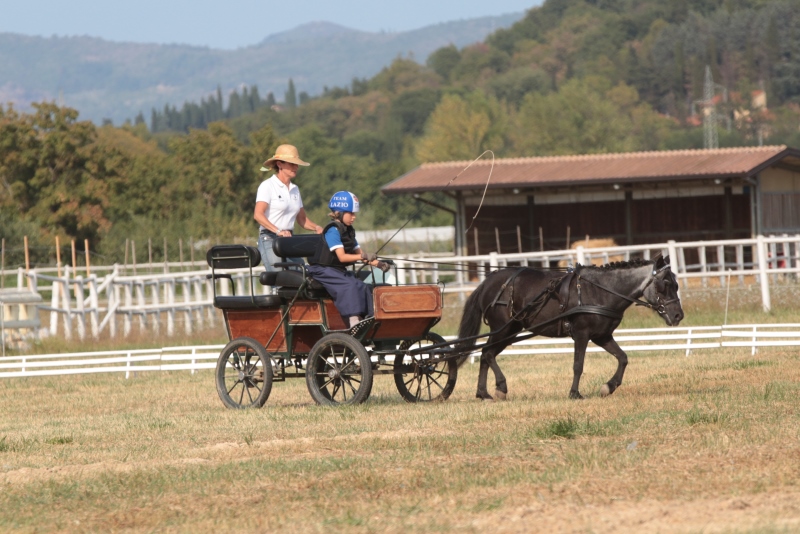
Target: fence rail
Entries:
(117, 302)
(195, 358)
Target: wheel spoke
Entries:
(241, 396)
(249, 395)
(233, 386)
(335, 389)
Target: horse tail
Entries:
(470, 323)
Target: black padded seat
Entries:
(297, 246)
(268, 278)
(233, 257)
(247, 303)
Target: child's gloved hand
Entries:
(383, 266)
(368, 257)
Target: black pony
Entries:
(586, 304)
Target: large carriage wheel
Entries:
(244, 374)
(339, 371)
(419, 378)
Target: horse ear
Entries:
(658, 261)
(666, 259)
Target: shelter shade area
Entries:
(545, 203)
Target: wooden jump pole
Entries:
(58, 256)
(27, 254)
(27, 260)
(86, 251)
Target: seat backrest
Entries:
(233, 257)
(298, 246)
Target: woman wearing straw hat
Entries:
(278, 203)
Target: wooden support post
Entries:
(88, 261)
(519, 240)
(74, 268)
(166, 261)
(475, 235)
(127, 243)
(180, 251)
(27, 262)
(149, 255)
(58, 256)
(191, 251)
(133, 255)
(497, 239)
(3, 263)
(541, 240)
(567, 247)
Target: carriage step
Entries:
(361, 327)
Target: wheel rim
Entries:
(244, 375)
(420, 378)
(337, 372)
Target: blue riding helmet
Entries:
(344, 201)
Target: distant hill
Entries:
(104, 79)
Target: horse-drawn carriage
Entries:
(297, 332)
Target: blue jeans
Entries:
(268, 257)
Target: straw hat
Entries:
(287, 153)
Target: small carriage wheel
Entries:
(338, 371)
(244, 374)
(419, 378)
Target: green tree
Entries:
(290, 99)
(461, 128)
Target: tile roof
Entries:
(596, 168)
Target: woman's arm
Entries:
(305, 222)
(258, 215)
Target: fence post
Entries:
(94, 303)
(80, 308)
(66, 305)
(761, 248)
(54, 296)
(688, 342)
(580, 256)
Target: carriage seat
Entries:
(238, 257)
(289, 280)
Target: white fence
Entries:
(117, 302)
(688, 340)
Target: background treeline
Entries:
(574, 76)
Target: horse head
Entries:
(662, 292)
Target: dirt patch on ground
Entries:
(767, 510)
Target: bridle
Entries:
(659, 307)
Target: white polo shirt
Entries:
(283, 203)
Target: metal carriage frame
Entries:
(298, 333)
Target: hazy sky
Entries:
(231, 23)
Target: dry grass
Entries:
(706, 443)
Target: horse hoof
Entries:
(575, 395)
(484, 396)
(605, 391)
(499, 395)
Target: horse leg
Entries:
(483, 375)
(610, 346)
(501, 388)
(577, 367)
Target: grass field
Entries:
(708, 443)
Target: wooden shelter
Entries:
(633, 198)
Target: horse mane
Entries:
(617, 265)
